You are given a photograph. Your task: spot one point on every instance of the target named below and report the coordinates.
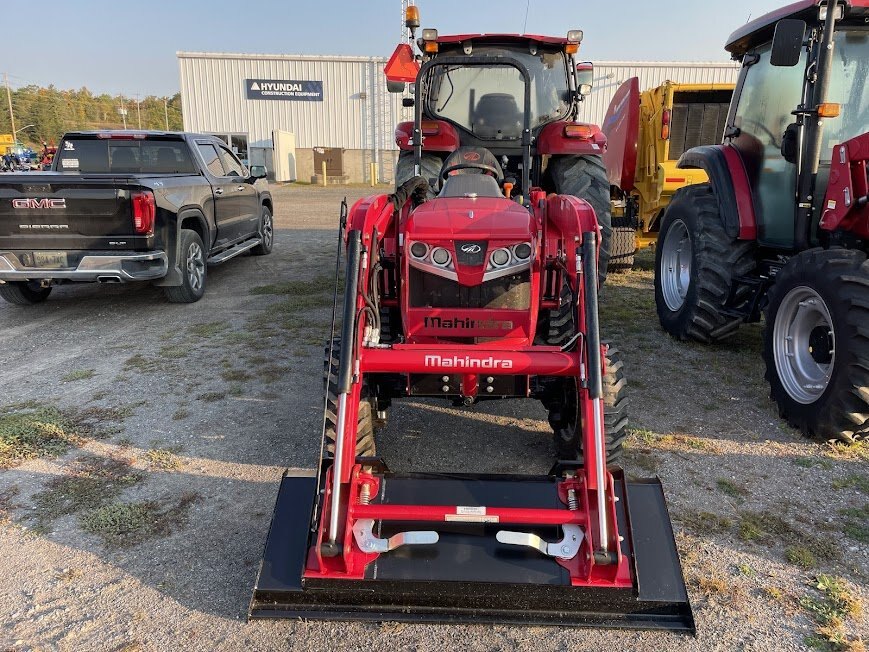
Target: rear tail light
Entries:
(430, 128)
(665, 125)
(578, 131)
(144, 211)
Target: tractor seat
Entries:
(471, 180)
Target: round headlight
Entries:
(440, 256)
(500, 257)
(522, 251)
(418, 250)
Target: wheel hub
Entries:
(675, 270)
(804, 345)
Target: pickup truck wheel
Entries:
(193, 270)
(266, 233)
(24, 293)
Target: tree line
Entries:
(52, 111)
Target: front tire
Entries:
(193, 270)
(365, 418)
(24, 293)
(266, 234)
(696, 263)
(585, 177)
(815, 345)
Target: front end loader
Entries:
(470, 291)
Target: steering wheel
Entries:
(495, 172)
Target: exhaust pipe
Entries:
(109, 279)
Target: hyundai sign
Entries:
(284, 89)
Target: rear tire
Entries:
(266, 234)
(696, 263)
(585, 177)
(24, 293)
(365, 420)
(624, 245)
(815, 344)
(430, 169)
(193, 270)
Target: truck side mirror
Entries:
(787, 43)
(395, 86)
(258, 172)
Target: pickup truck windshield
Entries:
(115, 155)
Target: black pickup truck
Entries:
(123, 206)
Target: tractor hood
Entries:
(462, 218)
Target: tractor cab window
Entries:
(848, 87)
(488, 101)
(769, 95)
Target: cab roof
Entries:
(501, 38)
(760, 30)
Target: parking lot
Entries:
(140, 525)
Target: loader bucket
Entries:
(468, 575)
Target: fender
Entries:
(573, 138)
(173, 244)
(729, 180)
(437, 136)
(845, 204)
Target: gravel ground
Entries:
(202, 406)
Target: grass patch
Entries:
(769, 528)
(856, 451)
(296, 288)
(856, 519)
(857, 481)
(800, 556)
(643, 460)
(164, 459)
(126, 524)
(91, 482)
(235, 375)
(139, 362)
(208, 329)
(705, 522)
(272, 373)
(34, 432)
(173, 351)
(809, 462)
(78, 374)
(180, 414)
(833, 603)
(212, 397)
(732, 489)
(7, 503)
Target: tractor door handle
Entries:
(240, 188)
(218, 191)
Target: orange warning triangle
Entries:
(402, 67)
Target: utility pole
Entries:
(166, 112)
(122, 110)
(138, 112)
(11, 115)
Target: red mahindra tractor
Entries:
(782, 227)
(484, 291)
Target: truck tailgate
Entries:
(60, 211)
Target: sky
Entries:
(130, 47)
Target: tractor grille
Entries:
(508, 292)
(697, 119)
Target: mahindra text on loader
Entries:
(479, 288)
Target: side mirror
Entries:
(395, 86)
(584, 77)
(790, 143)
(258, 172)
(407, 102)
(787, 42)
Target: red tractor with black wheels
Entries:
(782, 227)
(486, 290)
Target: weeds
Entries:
(235, 375)
(126, 524)
(705, 522)
(857, 481)
(800, 556)
(802, 549)
(78, 374)
(180, 414)
(209, 329)
(212, 397)
(834, 603)
(296, 288)
(730, 488)
(164, 459)
(36, 432)
(856, 519)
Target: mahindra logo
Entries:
(44, 203)
(471, 156)
(471, 248)
(467, 362)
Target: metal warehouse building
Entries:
(292, 111)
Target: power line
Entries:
(525, 24)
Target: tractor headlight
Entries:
(504, 261)
(419, 250)
(440, 257)
(432, 259)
